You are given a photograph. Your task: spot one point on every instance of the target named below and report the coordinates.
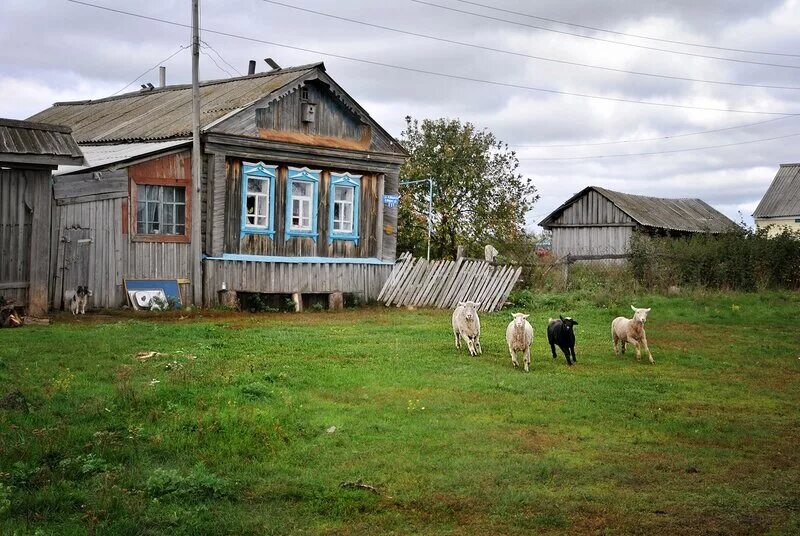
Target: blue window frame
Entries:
(258, 198)
(302, 199)
(345, 201)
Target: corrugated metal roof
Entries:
(165, 113)
(48, 143)
(783, 195)
(100, 156)
(690, 215)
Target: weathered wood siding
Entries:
(15, 236)
(286, 278)
(25, 211)
(591, 240)
(255, 244)
(592, 209)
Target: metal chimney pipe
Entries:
(272, 64)
(162, 76)
(251, 67)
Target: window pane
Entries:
(302, 189)
(168, 194)
(344, 193)
(180, 195)
(152, 192)
(256, 185)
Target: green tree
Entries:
(479, 197)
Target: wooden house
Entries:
(600, 222)
(297, 192)
(29, 152)
(780, 207)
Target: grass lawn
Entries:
(229, 430)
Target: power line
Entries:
(165, 60)
(537, 17)
(639, 140)
(226, 71)
(440, 74)
(666, 152)
(521, 54)
(594, 38)
(226, 62)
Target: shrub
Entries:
(740, 260)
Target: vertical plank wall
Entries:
(15, 236)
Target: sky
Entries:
(56, 50)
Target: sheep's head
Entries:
(519, 319)
(640, 315)
(568, 322)
(470, 310)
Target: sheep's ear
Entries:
(574, 322)
(632, 307)
(647, 310)
(561, 318)
(478, 305)
(461, 304)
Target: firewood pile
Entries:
(10, 313)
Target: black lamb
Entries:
(560, 333)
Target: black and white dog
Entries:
(561, 334)
(77, 299)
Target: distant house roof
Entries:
(783, 195)
(26, 142)
(100, 156)
(690, 215)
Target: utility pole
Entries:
(430, 207)
(197, 163)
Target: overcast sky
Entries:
(53, 50)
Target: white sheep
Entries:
(631, 330)
(467, 325)
(519, 336)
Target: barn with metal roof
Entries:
(600, 222)
(780, 207)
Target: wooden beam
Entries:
(14, 285)
(90, 198)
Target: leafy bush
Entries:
(741, 260)
(198, 484)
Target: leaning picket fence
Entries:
(442, 284)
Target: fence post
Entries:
(565, 271)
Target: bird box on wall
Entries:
(308, 111)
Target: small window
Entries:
(160, 210)
(344, 207)
(258, 198)
(304, 93)
(301, 202)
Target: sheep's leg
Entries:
(647, 349)
(615, 340)
(565, 349)
(553, 349)
(478, 345)
(574, 359)
(458, 340)
(470, 345)
(513, 357)
(638, 350)
(527, 359)
(623, 346)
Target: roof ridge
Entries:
(34, 125)
(206, 83)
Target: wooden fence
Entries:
(442, 284)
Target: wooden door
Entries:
(75, 266)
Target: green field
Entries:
(228, 431)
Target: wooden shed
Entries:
(600, 222)
(297, 195)
(779, 209)
(29, 152)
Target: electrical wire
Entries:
(521, 54)
(226, 71)
(226, 62)
(593, 157)
(594, 38)
(660, 138)
(165, 60)
(638, 36)
(437, 73)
